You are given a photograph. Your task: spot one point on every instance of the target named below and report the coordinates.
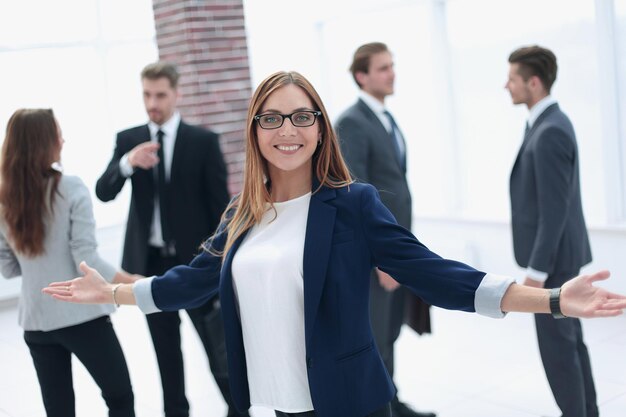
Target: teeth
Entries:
(288, 147)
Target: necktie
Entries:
(162, 190)
(398, 143)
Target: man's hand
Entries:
(529, 282)
(144, 155)
(385, 281)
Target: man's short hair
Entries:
(361, 58)
(536, 61)
(161, 69)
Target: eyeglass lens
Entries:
(298, 119)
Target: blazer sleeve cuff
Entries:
(488, 297)
(536, 275)
(142, 289)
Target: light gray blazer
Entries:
(70, 239)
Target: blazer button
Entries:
(309, 362)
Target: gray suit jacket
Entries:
(70, 239)
(549, 232)
(369, 152)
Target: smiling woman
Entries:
(289, 146)
(292, 260)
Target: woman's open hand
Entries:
(91, 288)
(579, 298)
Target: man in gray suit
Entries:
(374, 149)
(549, 233)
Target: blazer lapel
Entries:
(377, 125)
(179, 149)
(531, 132)
(539, 120)
(237, 367)
(146, 137)
(521, 149)
(227, 295)
(373, 119)
(317, 246)
(146, 178)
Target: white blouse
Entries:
(267, 275)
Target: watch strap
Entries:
(555, 303)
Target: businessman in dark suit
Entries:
(549, 233)
(179, 191)
(375, 151)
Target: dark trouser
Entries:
(566, 360)
(165, 331)
(383, 412)
(387, 316)
(95, 344)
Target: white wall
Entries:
(487, 245)
(451, 64)
(82, 58)
(84, 65)
(451, 56)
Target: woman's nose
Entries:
(287, 129)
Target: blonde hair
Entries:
(247, 209)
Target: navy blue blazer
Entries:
(348, 232)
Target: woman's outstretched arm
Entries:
(183, 286)
(91, 288)
(453, 285)
(579, 298)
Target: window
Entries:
(82, 58)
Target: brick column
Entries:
(206, 39)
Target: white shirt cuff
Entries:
(489, 294)
(536, 275)
(142, 289)
(125, 167)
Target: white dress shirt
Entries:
(539, 107)
(169, 129)
(268, 281)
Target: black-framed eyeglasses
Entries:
(303, 118)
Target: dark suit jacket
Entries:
(349, 231)
(370, 155)
(549, 232)
(198, 192)
(366, 147)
